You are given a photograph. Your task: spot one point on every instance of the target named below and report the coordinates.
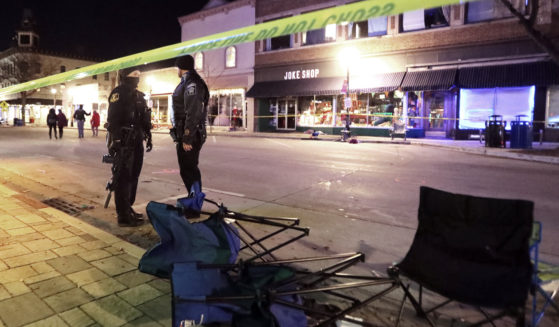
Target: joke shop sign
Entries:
(301, 74)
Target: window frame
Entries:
(197, 55)
(234, 48)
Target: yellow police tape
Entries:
(358, 11)
(352, 115)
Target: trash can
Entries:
(521, 133)
(495, 132)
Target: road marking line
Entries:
(175, 197)
(224, 192)
(277, 142)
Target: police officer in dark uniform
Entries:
(129, 124)
(190, 101)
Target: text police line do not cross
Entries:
(354, 12)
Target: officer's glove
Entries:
(149, 145)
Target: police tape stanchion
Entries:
(353, 12)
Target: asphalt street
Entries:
(355, 197)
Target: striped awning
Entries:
(429, 80)
(535, 73)
(379, 83)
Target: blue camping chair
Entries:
(255, 293)
(543, 274)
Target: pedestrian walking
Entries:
(95, 122)
(51, 123)
(62, 122)
(79, 116)
(190, 100)
(129, 124)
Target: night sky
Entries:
(99, 29)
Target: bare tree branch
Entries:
(528, 23)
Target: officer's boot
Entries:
(129, 220)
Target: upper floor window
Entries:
(106, 76)
(279, 42)
(327, 34)
(199, 61)
(231, 57)
(485, 10)
(425, 18)
(62, 69)
(372, 27)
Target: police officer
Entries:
(129, 124)
(190, 101)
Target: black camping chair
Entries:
(293, 293)
(472, 250)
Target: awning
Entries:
(535, 73)
(326, 86)
(319, 86)
(379, 83)
(429, 80)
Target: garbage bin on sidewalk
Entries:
(495, 132)
(521, 133)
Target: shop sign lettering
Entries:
(301, 74)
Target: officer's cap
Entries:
(129, 72)
(185, 62)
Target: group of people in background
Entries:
(59, 120)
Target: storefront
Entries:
(508, 90)
(303, 97)
(227, 108)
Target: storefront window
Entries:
(553, 107)
(476, 105)
(226, 109)
(383, 107)
(414, 107)
(315, 111)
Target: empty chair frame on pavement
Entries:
(473, 250)
(217, 239)
(545, 281)
(279, 293)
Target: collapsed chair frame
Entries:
(308, 282)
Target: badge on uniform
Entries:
(114, 98)
(191, 89)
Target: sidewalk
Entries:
(58, 271)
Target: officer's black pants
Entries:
(127, 184)
(60, 131)
(188, 164)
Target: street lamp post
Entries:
(347, 57)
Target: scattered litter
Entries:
(341, 209)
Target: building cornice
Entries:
(199, 15)
(15, 50)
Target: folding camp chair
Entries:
(544, 275)
(253, 292)
(260, 247)
(217, 239)
(472, 250)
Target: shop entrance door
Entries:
(435, 110)
(285, 115)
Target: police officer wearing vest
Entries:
(129, 124)
(190, 101)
